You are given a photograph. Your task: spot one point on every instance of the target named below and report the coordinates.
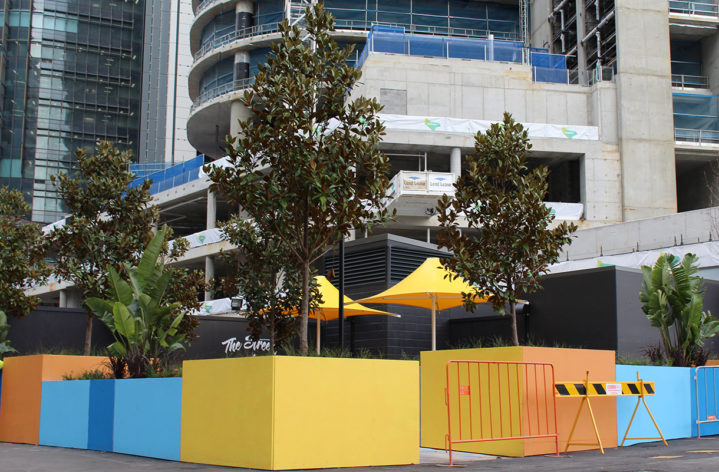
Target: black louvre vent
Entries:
(362, 268)
(405, 261)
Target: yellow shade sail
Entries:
(427, 287)
(424, 284)
(329, 308)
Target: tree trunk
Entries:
(88, 335)
(513, 314)
(272, 336)
(305, 309)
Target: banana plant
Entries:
(145, 329)
(4, 342)
(672, 297)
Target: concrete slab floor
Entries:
(682, 455)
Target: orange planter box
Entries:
(569, 365)
(22, 390)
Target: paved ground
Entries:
(683, 455)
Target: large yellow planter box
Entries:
(569, 365)
(22, 390)
(280, 412)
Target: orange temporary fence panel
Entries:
(499, 401)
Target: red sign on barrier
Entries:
(496, 400)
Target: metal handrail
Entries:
(215, 92)
(690, 7)
(699, 136)
(690, 81)
(603, 74)
(234, 36)
(351, 25)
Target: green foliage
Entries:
(362, 353)
(270, 285)
(144, 326)
(508, 243)
(307, 168)
(97, 374)
(109, 225)
(21, 254)
(672, 297)
(4, 342)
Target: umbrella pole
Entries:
(318, 334)
(434, 321)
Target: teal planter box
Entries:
(671, 405)
(707, 394)
(147, 417)
(64, 413)
(102, 415)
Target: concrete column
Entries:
(63, 299)
(242, 65)
(455, 161)
(581, 32)
(209, 275)
(644, 109)
(710, 61)
(238, 112)
(244, 10)
(211, 210)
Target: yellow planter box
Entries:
(569, 365)
(280, 413)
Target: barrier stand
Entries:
(583, 391)
(586, 390)
(645, 388)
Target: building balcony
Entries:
(416, 194)
(692, 20)
(683, 81)
(691, 7)
(228, 89)
(696, 136)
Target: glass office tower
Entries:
(71, 76)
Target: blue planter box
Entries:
(147, 417)
(708, 396)
(64, 413)
(671, 405)
(102, 415)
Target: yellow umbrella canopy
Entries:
(427, 287)
(329, 308)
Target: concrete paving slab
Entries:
(682, 455)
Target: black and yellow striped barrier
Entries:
(585, 390)
(602, 389)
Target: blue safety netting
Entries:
(169, 176)
(549, 67)
(693, 111)
(393, 40)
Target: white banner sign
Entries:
(472, 127)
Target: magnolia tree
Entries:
(508, 242)
(21, 254)
(307, 168)
(110, 224)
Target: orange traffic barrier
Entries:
(499, 401)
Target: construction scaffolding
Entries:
(584, 31)
(600, 41)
